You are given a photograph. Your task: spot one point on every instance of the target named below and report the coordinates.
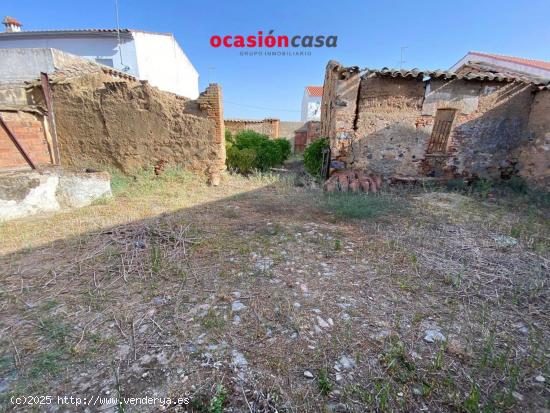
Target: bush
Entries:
(243, 160)
(313, 156)
(229, 140)
(516, 184)
(248, 150)
(286, 148)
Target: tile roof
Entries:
(11, 20)
(54, 32)
(539, 64)
(250, 120)
(446, 75)
(84, 67)
(315, 90)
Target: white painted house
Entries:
(311, 103)
(155, 57)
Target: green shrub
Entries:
(286, 148)
(313, 156)
(483, 187)
(268, 155)
(248, 150)
(516, 184)
(229, 138)
(242, 160)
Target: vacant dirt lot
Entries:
(259, 295)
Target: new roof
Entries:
(539, 64)
(314, 90)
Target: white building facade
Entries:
(311, 103)
(155, 57)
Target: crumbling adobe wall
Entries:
(534, 157)
(388, 137)
(338, 108)
(382, 124)
(127, 124)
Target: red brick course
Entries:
(29, 130)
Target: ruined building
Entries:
(414, 124)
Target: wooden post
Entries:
(49, 104)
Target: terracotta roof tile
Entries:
(314, 90)
(11, 20)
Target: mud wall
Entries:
(128, 124)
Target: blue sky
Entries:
(370, 33)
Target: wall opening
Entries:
(442, 129)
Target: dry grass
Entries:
(137, 295)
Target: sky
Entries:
(435, 35)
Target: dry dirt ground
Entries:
(261, 296)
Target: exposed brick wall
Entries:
(269, 127)
(300, 139)
(307, 134)
(28, 127)
(211, 102)
(383, 125)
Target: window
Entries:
(442, 129)
(106, 62)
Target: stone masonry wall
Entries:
(388, 138)
(382, 124)
(128, 124)
(534, 158)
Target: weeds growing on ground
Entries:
(359, 206)
(323, 382)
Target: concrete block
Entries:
(25, 193)
(80, 189)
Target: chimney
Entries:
(12, 25)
